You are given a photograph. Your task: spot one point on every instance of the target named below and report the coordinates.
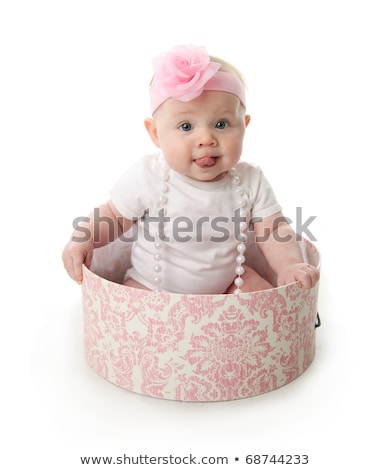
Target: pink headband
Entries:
(184, 72)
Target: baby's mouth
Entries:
(206, 162)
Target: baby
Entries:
(187, 208)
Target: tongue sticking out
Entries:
(205, 161)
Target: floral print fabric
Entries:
(198, 347)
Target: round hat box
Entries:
(198, 348)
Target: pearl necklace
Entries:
(158, 243)
(241, 247)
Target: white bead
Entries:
(158, 245)
(243, 226)
(157, 256)
(236, 180)
(240, 270)
(237, 291)
(163, 199)
(241, 237)
(238, 282)
(241, 248)
(242, 203)
(240, 259)
(157, 268)
(164, 176)
(157, 279)
(164, 188)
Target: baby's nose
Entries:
(206, 138)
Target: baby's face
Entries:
(202, 138)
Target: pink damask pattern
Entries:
(198, 347)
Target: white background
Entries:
(73, 96)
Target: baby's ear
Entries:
(150, 126)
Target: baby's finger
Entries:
(68, 265)
(308, 276)
(88, 259)
(72, 271)
(77, 269)
(73, 268)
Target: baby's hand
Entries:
(306, 274)
(75, 254)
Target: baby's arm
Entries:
(90, 234)
(278, 242)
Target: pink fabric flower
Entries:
(182, 72)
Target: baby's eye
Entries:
(221, 125)
(186, 126)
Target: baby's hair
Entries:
(227, 67)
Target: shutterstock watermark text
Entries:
(182, 229)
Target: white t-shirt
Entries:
(200, 226)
